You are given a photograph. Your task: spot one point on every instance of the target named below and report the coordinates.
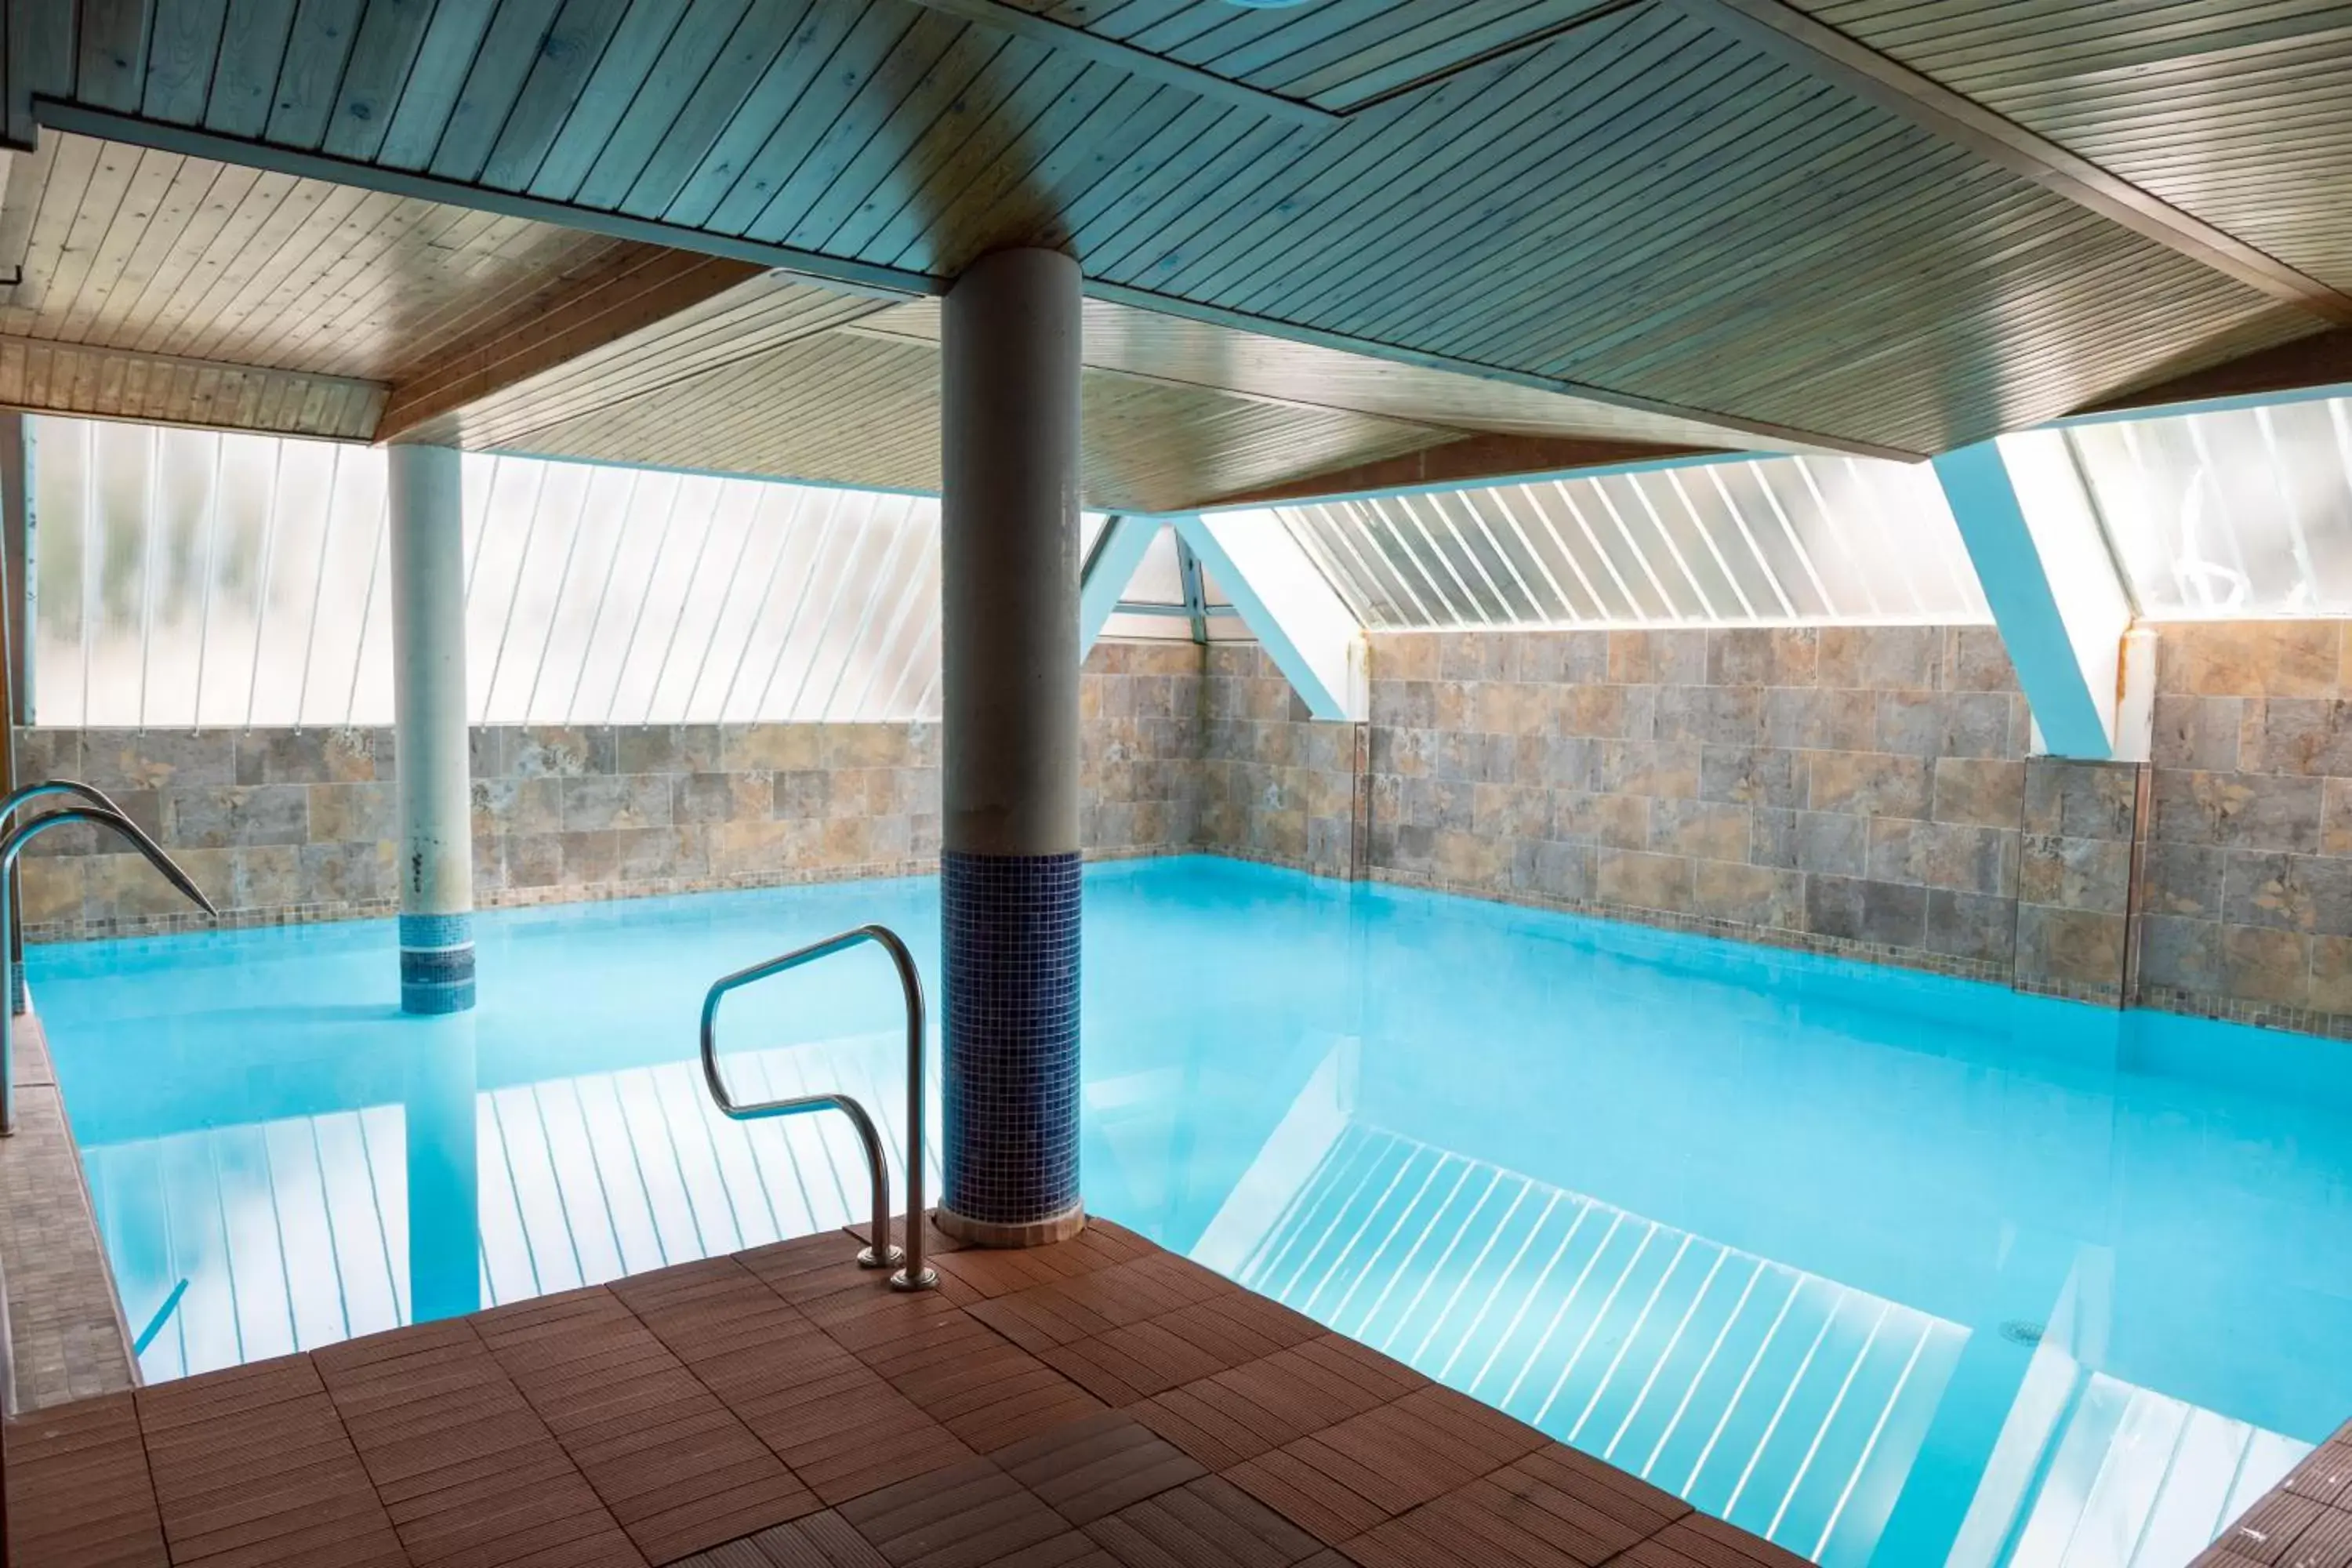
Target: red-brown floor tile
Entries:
(79, 1495)
(1695, 1540)
(959, 1515)
(675, 1467)
(1205, 1521)
(1096, 1465)
(255, 1468)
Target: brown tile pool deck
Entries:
(1100, 1403)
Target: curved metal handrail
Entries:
(15, 803)
(879, 1254)
(13, 845)
(90, 793)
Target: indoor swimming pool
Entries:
(1889, 1268)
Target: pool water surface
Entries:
(1890, 1269)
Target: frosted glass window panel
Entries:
(1782, 540)
(660, 597)
(884, 527)
(2232, 512)
(1159, 579)
(547, 656)
(651, 512)
(188, 577)
(296, 554)
(520, 576)
(741, 600)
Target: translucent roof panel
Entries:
(1769, 542)
(2228, 512)
(191, 578)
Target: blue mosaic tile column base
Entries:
(1010, 1084)
(437, 964)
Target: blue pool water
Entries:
(1894, 1269)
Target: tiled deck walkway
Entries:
(66, 1331)
(2305, 1522)
(1099, 1403)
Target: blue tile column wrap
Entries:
(1011, 1080)
(437, 964)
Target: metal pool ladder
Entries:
(880, 1254)
(100, 811)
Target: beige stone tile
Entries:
(1469, 860)
(1758, 895)
(1870, 784)
(1880, 659)
(354, 812)
(1701, 830)
(1975, 660)
(2331, 974)
(2336, 818)
(1988, 791)
(50, 889)
(1631, 661)
(1642, 880)
(1617, 821)
(2079, 946)
(778, 748)
(2075, 873)
(2250, 658)
(2260, 965)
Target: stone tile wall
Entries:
(286, 826)
(2246, 905)
(1276, 785)
(1854, 790)
(1863, 791)
(1139, 748)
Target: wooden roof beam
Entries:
(41, 375)
(563, 325)
(2321, 360)
(1828, 54)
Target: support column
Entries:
(428, 653)
(1009, 867)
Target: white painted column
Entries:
(2064, 612)
(429, 642)
(1009, 862)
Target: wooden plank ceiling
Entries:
(1671, 223)
(166, 286)
(2238, 113)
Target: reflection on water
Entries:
(1892, 1269)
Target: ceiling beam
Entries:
(1289, 606)
(2321, 360)
(1821, 49)
(1472, 460)
(2062, 607)
(42, 377)
(1293, 331)
(562, 325)
(1126, 56)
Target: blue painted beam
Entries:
(2034, 539)
(1109, 569)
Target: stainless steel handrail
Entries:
(13, 845)
(17, 801)
(880, 1254)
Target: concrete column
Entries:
(1009, 867)
(428, 654)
